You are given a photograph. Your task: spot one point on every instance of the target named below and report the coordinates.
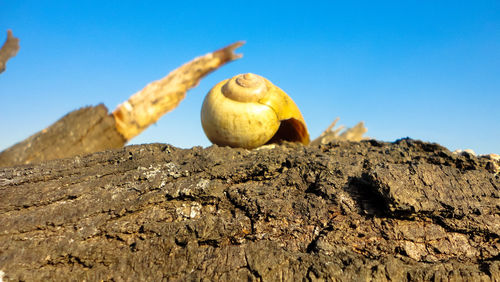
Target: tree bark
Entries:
(398, 211)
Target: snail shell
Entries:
(248, 111)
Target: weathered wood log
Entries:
(340, 211)
(91, 129)
(86, 130)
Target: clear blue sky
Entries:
(429, 70)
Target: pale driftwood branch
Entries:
(8, 50)
(159, 97)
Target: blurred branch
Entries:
(331, 133)
(159, 97)
(8, 50)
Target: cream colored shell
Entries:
(248, 111)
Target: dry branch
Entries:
(331, 133)
(8, 50)
(159, 97)
(92, 129)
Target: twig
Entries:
(351, 134)
(8, 50)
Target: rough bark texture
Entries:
(86, 130)
(349, 211)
